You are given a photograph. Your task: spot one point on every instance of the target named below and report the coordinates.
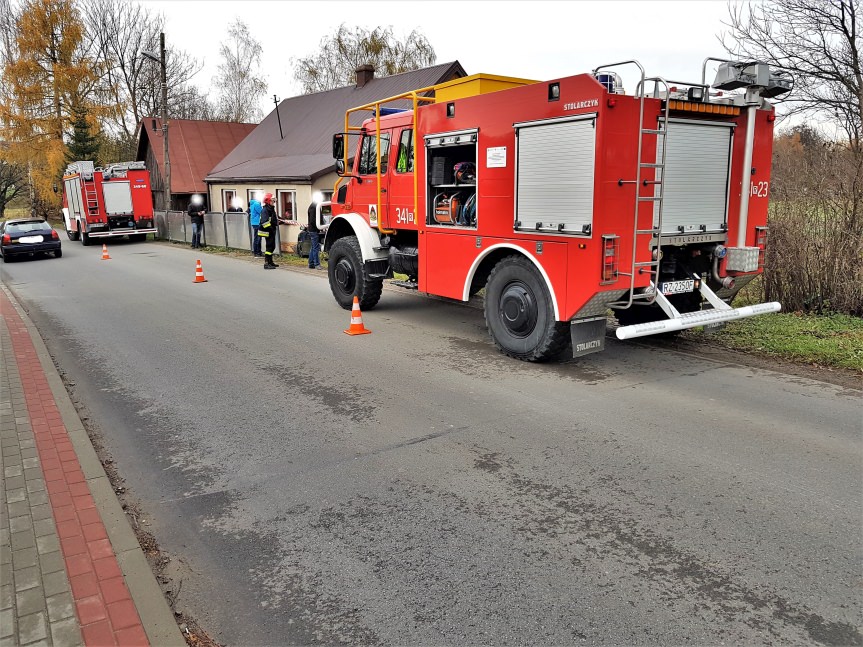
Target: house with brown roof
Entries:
(289, 154)
(194, 147)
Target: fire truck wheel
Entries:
(71, 235)
(519, 312)
(348, 278)
(85, 239)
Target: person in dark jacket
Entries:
(269, 226)
(314, 238)
(196, 213)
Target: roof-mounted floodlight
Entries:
(780, 82)
(732, 75)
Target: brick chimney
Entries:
(365, 73)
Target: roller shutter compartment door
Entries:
(555, 169)
(695, 195)
(118, 198)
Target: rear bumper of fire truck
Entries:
(720, 313)
(109, 233)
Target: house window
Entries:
(228, 198)
(288, 204)
(405, 162)
(257, 194)
(369, 154)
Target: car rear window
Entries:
(24, 227)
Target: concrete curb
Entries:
(156, 617)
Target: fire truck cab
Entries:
(107, 202)
(562, 200)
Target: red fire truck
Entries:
(562, 199)
(107, 202)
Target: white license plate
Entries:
(30, 239)
(677, 287)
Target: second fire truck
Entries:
(562, 199)
(108, 202)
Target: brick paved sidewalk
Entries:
(71, 571)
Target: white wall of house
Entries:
(300, 195)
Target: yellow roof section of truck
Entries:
(469, 86)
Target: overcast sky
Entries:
(531, 39)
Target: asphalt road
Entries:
(415, 487)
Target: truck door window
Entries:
(369, 154)
(405, 163)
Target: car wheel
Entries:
(58, 253)
(348, 278)
(519, 312)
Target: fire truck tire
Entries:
(85, 239)
(519, 313)
(71, 235)
(347, 276)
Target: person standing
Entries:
(267, 230)
(314, 238)
(255, 222)
(196, 213)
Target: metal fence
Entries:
(220, 229)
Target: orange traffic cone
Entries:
(105, 256)
(199, 273)
(357, 327)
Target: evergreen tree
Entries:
(84, 144)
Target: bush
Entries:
(814, 257)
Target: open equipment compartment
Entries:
(451, 164)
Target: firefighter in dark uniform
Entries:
(269, 226)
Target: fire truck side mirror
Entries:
(338, 146)
(340, 166)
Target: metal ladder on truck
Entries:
(719, 311)
(655, 231)
(90, 197)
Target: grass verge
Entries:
(823, 340)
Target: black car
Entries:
(27, 237)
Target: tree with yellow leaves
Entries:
(46, 75)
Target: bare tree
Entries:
(188, 102)
(8, 19)
(121, 31)
(13, 183)
(339, 55)
(813, 261)
(818, 43)
(239, 81)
